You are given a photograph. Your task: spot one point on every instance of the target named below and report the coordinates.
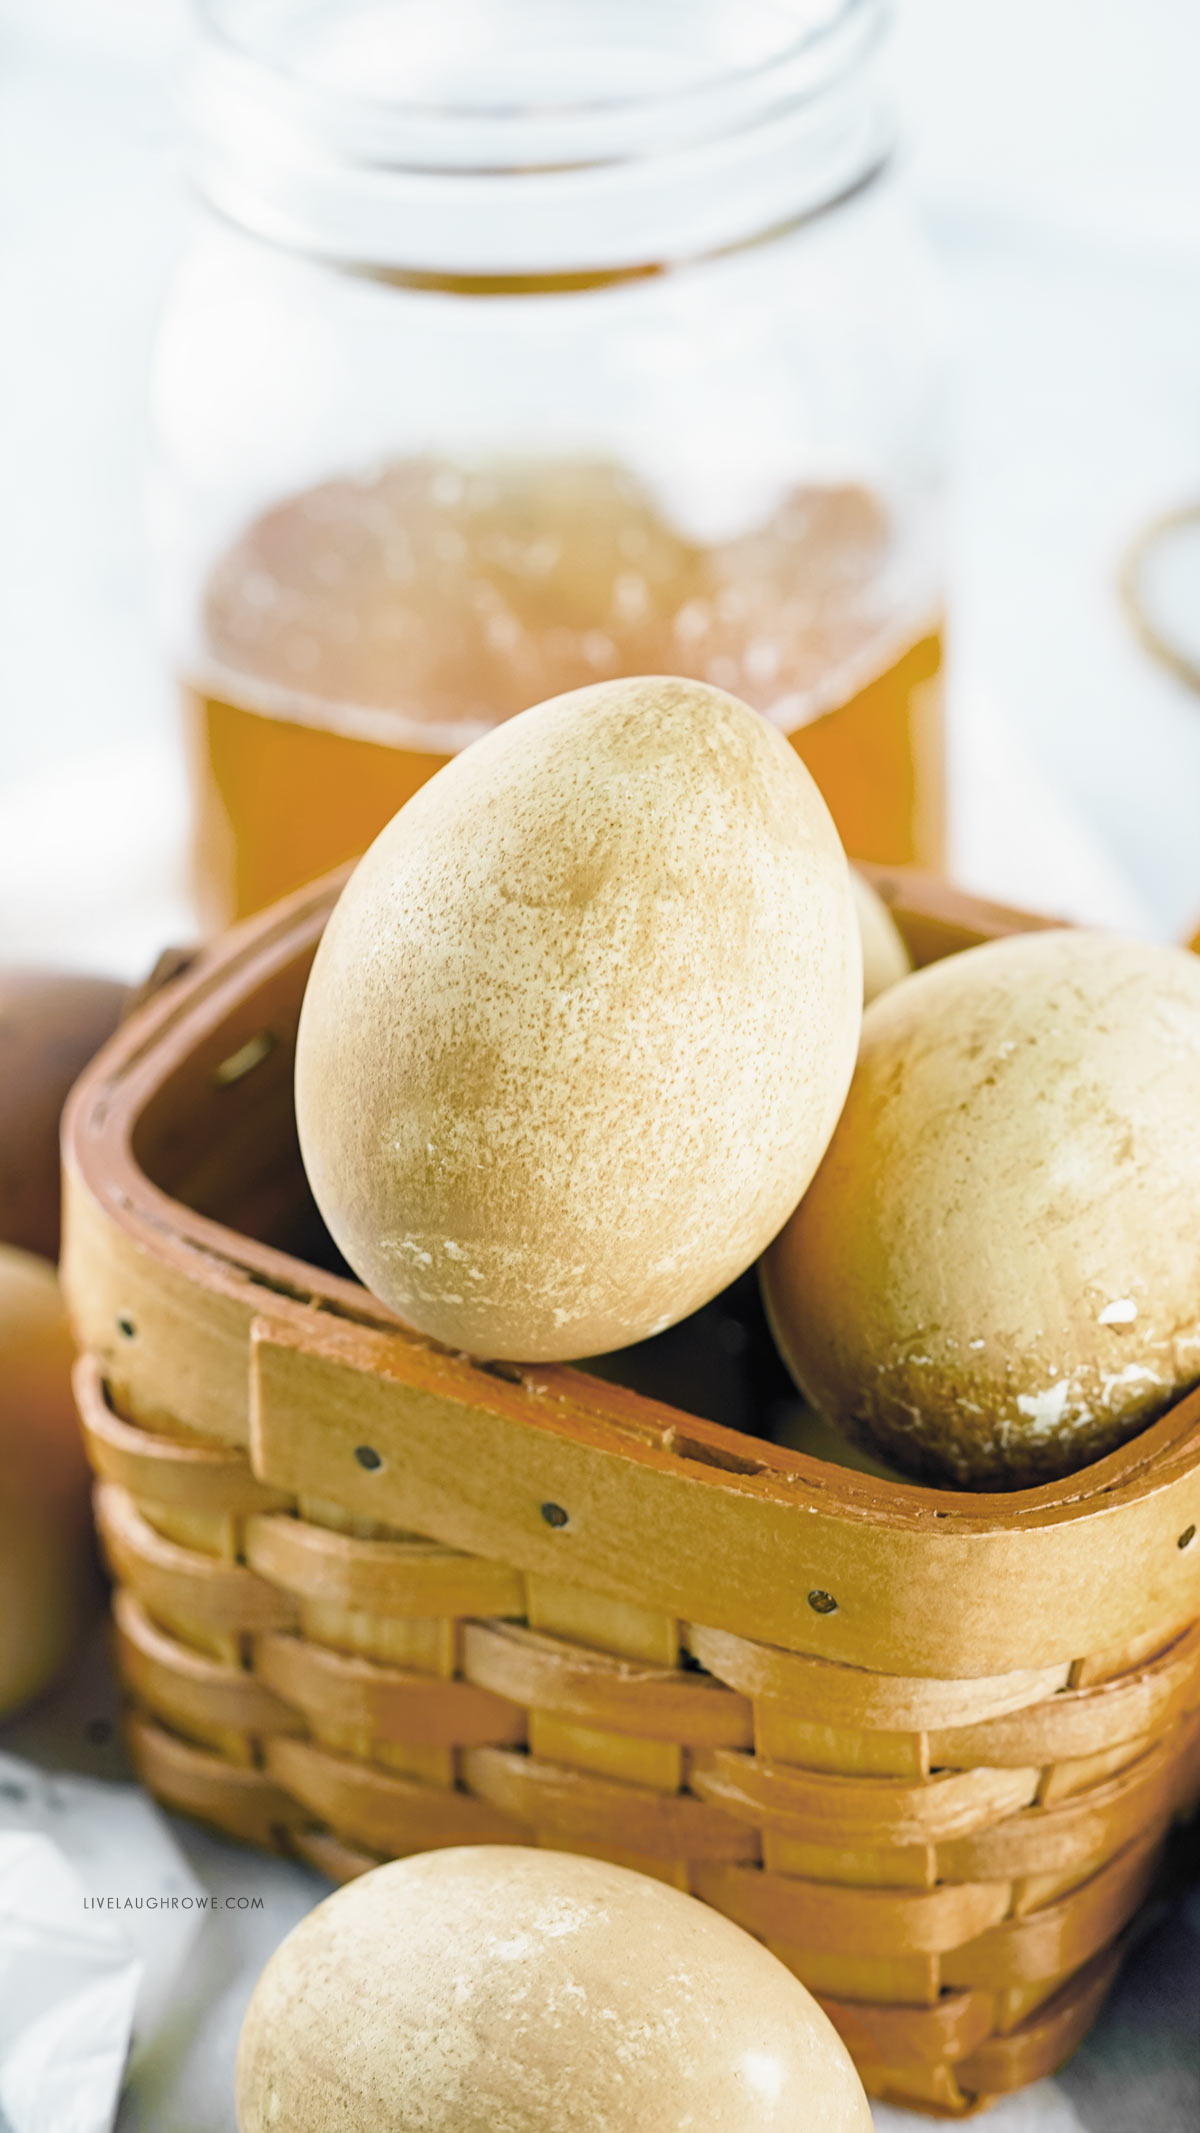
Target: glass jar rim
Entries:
(836, 37)
(303, 158)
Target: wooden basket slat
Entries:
(1080, 1722)
(1060, 1938)
(1039, 2047)
(246, 1803)
(385, 1812)
(380, 1576)
(592, 1810)
(192, 1474)
(598, 1690)
(187, 1687)
(854, 1696)
(827, 1808)
(475, 1463)
(383, 1702)
(224, 1596)
(844, 1921)
(1068, 1837)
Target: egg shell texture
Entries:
(51, 1024)
(47, 1575)
(581, 1023)
(510, 1991)
(885, 958)
(995, 1276)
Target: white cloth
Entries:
(116, 1844)
(68, 1982)
(99, 1914)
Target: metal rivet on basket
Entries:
(126, 1326)
(367, 1456)
(1186, 1537)
(822, 1603)
(554, 1514)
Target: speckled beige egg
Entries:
(51, 1023)
(885, 958)
(581, 1023)
(995, 1275)
(508, 1991)
(48, 1581)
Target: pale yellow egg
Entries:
(581, 1024)
(48, 1582)
(885, 957)
(509, 1991)
(994, 1277)
(51, 1024)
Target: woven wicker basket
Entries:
(373, 1597)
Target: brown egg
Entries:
(498, 1991)
(47, 1575)
(995, 1275)
(581, 1023)
(885, 958)
(51, 1024)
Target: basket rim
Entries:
(107, 1104)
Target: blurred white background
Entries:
(1055, 153)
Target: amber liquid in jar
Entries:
(359, 634)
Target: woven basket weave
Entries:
(372, 1597)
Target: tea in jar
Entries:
(359, 635)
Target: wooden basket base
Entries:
(950, 1866)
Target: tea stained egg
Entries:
(581, 1023)
(48, 1582)
(994, 1277)
(885, 958)
(487, 1990)
(51, 1024)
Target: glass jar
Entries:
(520, 345)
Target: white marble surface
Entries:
(1058, 167)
